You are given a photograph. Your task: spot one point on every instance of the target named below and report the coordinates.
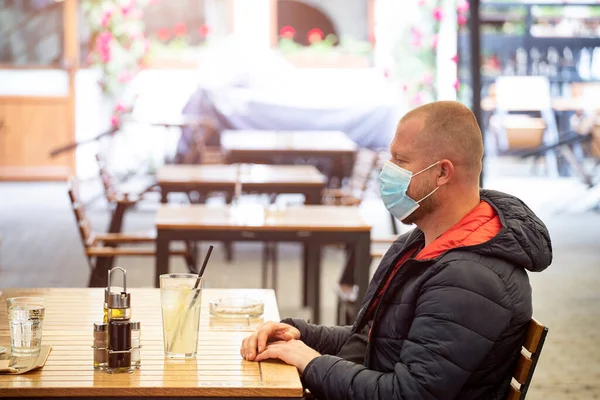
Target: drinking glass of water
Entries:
(25, 317)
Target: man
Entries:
(445, 314)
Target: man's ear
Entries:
(445, 172)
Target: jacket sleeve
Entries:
(324, 339)
(453, 330)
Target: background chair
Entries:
(524, 118)
(352, 193)
(101, 249)
(119, 201)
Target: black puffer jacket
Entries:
(447, 328)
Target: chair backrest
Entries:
(202, 132)
(83, 223)
(364, 166)
(532, 347)
(110, 190)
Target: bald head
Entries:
(443, 130)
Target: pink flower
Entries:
(119, 108)
(126, 9)
(105, 55)
(180, 29)
(103, 46)
(106, 17)
(455, 58)
(315, 35)
(463, 6)
(114, 121)
(163, 34)
(461, 19)
(438, 15)
(404, 87)
(434, 41)
(287, 32)
(456, 85)
(104, 38)
(204, 30)
(386, 73)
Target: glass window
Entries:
(172, 25)
(31, 32)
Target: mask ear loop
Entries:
(423, 170)
(432, 192)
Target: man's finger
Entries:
(263, 336)
(269, 352)
(253, 340)
(244, 348)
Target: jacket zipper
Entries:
(361, 323)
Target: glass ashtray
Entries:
(237, 307)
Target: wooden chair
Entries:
(101, 249)
(532, 348)
(119, 201)
(353, 193)
(347, 292)
(203, 131)
(524, 118)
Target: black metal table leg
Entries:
(162, 257)
(305, 261)
(362, 264)
(313, 279)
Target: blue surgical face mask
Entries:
(393, 183)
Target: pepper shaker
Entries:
(100, 344)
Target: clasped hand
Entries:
(278, 340)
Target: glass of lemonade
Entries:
(180, 303)
(25, 318)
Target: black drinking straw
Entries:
(204, 263)
(200, 273)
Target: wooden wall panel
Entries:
(30, 129)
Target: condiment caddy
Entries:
(116, 342)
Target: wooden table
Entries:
(312, 225)
(254, 178)
(277, 147)
(218, 370)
